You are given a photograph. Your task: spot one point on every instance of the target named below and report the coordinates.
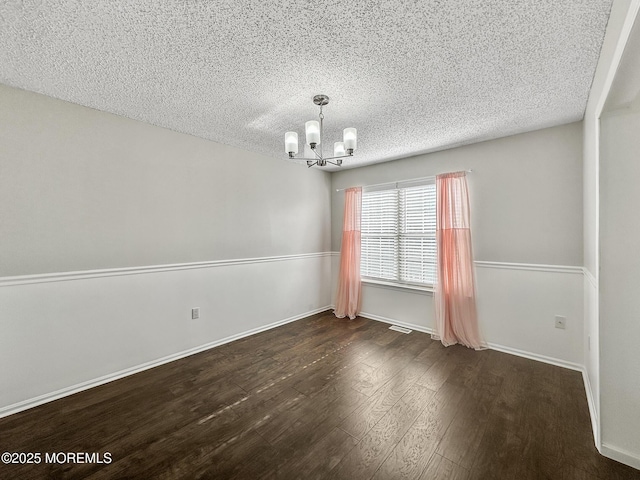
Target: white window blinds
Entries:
(398, 234)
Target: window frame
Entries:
(398, 282)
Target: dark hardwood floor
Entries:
(323, 398)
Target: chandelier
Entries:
(313, 132)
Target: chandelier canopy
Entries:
(313, 132)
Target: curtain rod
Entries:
(399, 181)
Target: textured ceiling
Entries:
(412, 76)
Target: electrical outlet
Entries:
(561, 322)
(195, 313)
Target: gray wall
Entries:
(526, 193)
(82, 189)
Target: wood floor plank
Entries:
(315, 460)
(573, 473)
(437, 374)
(514, 396)
(398, 354)
(198, 441)
(387, 337)
(316, 346)
(461, 440)
(499, 452)
(432, 353)
(323, 398)
(320, 414)
(365, 458)
(440, 467)
(363, 419)
(302, 437)
(401, 349)
(412, 453)
(151, 459)
(349, 372)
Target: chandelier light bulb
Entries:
(312, 129)
(291, 143)
(350, 136)
(338, 149)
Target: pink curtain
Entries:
(348, 297)
(455, 292)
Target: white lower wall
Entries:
(71, 331)
(517, 304)
(591, 349)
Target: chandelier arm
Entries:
(340, 156)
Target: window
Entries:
(399, 234)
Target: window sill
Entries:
(398, 286)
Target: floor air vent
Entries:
(400, 329)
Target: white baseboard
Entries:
(391, 321)
(64, 392)
(492, 346)
(593, 413)
(620, 456)
(535, 356)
